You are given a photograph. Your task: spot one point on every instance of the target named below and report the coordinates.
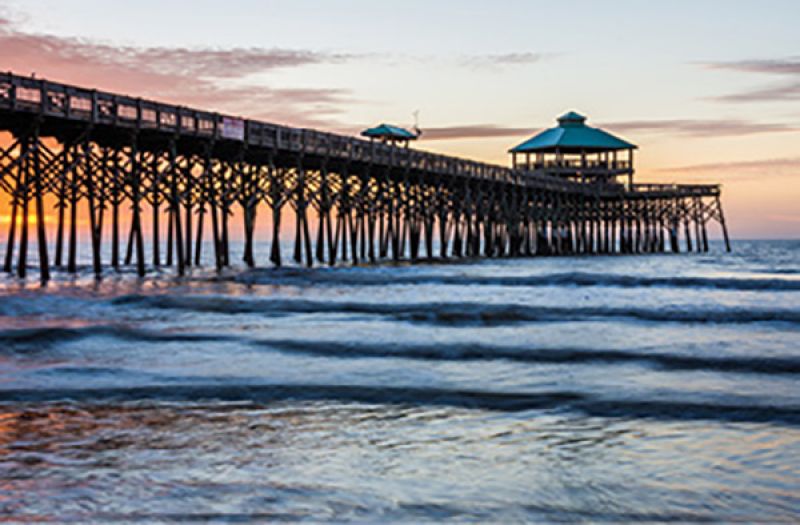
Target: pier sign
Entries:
(232, 128)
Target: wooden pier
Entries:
(95, 157)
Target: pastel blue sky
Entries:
(710, 90)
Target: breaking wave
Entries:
(477, 352)
(261, 394)
(460, 313)
(356, 278)
(44, 336)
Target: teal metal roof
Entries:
(387, 131)
(572, 135)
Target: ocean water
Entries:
(648, 388)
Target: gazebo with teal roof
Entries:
(389, 134)
(576, 151)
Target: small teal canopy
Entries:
(385, 131)
(572, 136)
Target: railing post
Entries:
(94, 106)
(12, 92)
(43, 97)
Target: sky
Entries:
(709, 90)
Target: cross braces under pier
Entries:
(104, 155)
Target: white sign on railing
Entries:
(232, 128)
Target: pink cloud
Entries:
(702, 128)
(741, 171)
(211, 79)
(473, 131)
(786, 67)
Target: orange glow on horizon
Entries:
(757, 203)
(32, 219)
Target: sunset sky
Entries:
(709, 90)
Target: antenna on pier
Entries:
(417, 131)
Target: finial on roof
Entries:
(571, 118)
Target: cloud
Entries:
(792, 163)
(221, 63)
(700, 127)
(743, 170)
(786, 66)
(505, 59)
(475, 131)
(292, 106)
(780, 92)
(214, 79)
